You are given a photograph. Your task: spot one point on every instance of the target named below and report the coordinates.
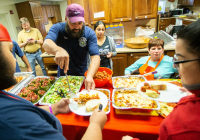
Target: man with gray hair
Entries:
(31, 39)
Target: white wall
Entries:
(63, 6)
(169, 3)
(12, 19)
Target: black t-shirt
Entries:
(103, 51)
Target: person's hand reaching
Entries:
(61, 107)
(62, 59)
(98, 118)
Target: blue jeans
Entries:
(31, 58)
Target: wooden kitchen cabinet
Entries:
(121, 10)
(187, 22)
(132, 57)
(50, 11)
(163, 23)
(144, 9)
(169, 53)
(50, 65)
(84, 4)
(57, 18)
(39, 24)
(99, 10)
(119, 64)
(45, 14)
(36, 9)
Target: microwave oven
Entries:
(176, 12)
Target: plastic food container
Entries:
(102, 82)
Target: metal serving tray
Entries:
(41, 100)
(21, 83)
(124, 78)
(125, 89)
(100, 89)
(28, 81)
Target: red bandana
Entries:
(4, 35)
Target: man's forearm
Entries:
(94, 65)
(25, 60)
(93, 132)
(50, 47)
(39, 41)
(21, 45)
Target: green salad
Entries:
(61, 86)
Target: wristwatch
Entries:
(35, 41)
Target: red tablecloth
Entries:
(118, 125)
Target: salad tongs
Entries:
(71, 93)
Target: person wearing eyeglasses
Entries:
(157, 61)
(183, 123)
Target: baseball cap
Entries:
(75, 13)
(4, 35)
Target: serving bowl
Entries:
(102, 76)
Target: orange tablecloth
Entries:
(118, 125)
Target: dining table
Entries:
(144, 127)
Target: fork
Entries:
(160, 76)
(71, 93)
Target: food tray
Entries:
(166, 108)
(138, 97)
(53, 90)
(107, 109)
(32, 77)
(27, 77)
(127, 81)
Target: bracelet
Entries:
(35, 41)
(50, 109)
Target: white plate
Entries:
(172, 94)
(82, 110)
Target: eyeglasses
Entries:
(176, 62)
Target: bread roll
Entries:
(92, 104)
(158, 86)
(152, 93)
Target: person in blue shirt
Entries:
(71, 42)
(155, 62)
(17, 50)
(20, 119)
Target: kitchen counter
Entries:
(124, 58)
(188, 19)
(170, 46)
